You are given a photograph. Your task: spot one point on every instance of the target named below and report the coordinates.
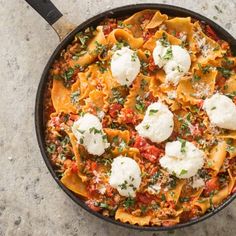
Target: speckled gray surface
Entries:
(31, 203)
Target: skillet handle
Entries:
(53, 16)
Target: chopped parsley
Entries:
(121, 24)
(164, 41)
(81, 140)
(169, 54)
(224, 71)
(153, 111)
(117, 97)
(134, 56)
(183, 172)
(163, 197)
(183, 145)
(143, 84)
(68, 75)
(204, 69)
(196, 78)
(95, 131)
(75, 97)
(129, 202)
(99, 47)
(51, 148)
(147, 126)
(184, 199)
(123, 185)
(122, 146)
(140, 106)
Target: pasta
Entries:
(81, 81)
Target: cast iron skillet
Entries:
(53, 16)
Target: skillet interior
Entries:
(39, 121)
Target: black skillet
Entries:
(66, 32)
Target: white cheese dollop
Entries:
(221, 111)
(174, 59)
(125, 66)
(157, 124)
(125, 176)
(89, 133)
(182, 159)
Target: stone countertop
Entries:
(31, 203)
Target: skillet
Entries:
(66, 32)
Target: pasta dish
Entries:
(140, 118)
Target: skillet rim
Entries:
(39, 120)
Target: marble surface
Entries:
(31, 203)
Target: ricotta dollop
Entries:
(182, 159)
(221, 111)
(125, 176)
(88, 131)
(157, 124)
(125, 66)
(174, 59)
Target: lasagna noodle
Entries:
(61, 98)
(151, 43)
(138, 91)
(135, 21)
(190, 91)
(75, 148)
(183, 27)
(73, 182)
(126, 217)
(207, 48)
(92, 52)
(205, 203)
(156, 20)
(217, 157)
(120, 34)
(174, 194)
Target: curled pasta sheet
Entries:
(120, 34)
(73, 182)
(92, 53)
(151, 43)
(126, 217)
(121, 134)
(182, 27)
(190, 91)
(230, 85)
(135, 21)
(217, 157)
(156, 20)
(207, 48)
(165, 93)
(169, 221)
(206, 203)
(174, 194)
(61, 98)
(95, 102)
(89, 81)
(137, 93)
(75, 147)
